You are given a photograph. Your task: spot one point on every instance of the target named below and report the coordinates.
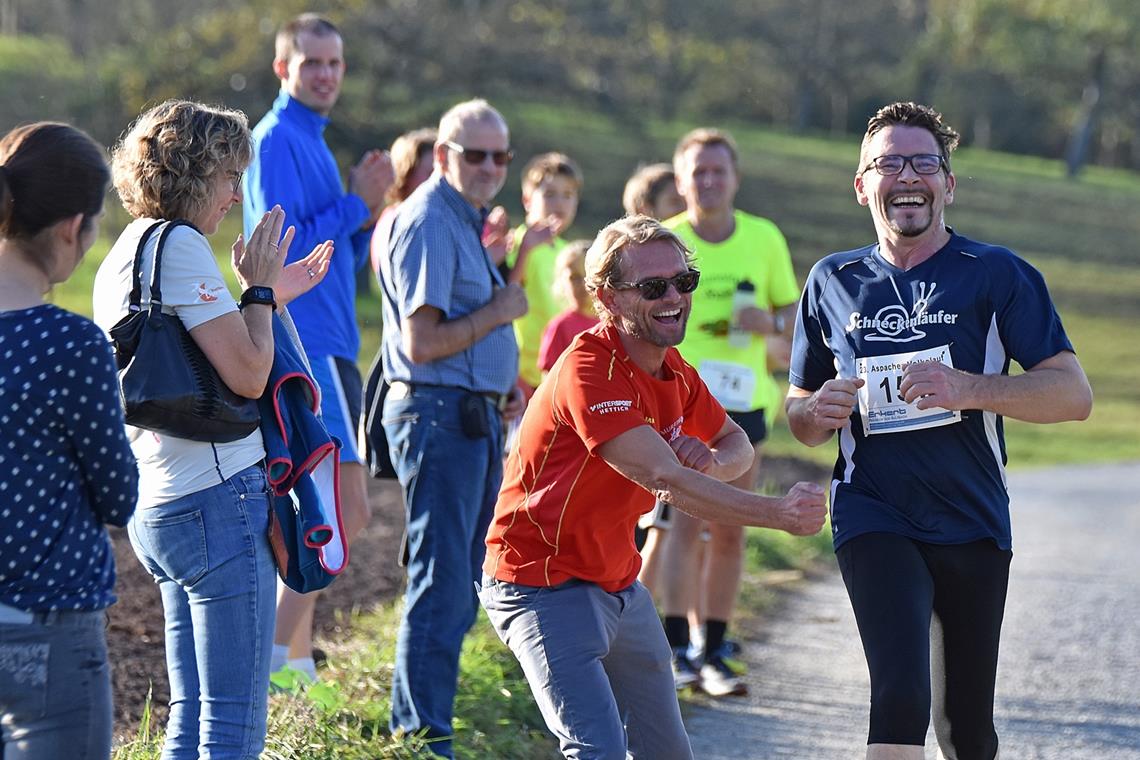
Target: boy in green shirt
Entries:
(551, 184)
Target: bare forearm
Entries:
(710, 499)
(1053, 390)
(643, 457)
(732, 456)
(425, 343)
(1043, 395)
(258, 320)
(445, 338)
(802, 424)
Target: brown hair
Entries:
(546, 165)
(48, 172)
(705, 137)
(910, 114)
(408, 150)
(645, 186)
(603, 260)
(164, 164)
(307, 23)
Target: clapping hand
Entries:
(302, 276)
(259, 260)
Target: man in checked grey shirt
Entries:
(451, 359)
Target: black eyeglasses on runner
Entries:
(476, 157)
(652, 288)
(891, 164)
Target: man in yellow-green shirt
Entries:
(551, 184)
(748, 295)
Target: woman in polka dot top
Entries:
(66, 467)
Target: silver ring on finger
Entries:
(312, 274)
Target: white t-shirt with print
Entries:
(193, 289)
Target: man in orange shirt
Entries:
(619, 420)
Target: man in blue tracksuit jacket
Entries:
(293, 168)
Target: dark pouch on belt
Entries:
(473, 416)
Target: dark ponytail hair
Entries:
(48, 172)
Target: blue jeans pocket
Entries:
(176, 544)
(23, 674)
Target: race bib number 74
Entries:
(880, 400)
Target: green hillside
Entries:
(1081, 234)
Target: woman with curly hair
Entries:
(201, 524)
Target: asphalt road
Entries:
(1069, 674)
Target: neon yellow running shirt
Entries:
(756, 251)
(542, 305)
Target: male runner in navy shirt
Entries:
(294, 168)
(904, 348)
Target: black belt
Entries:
(405, 389)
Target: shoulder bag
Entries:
(166, 383)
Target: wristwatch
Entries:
(257, 294)
(778, 324)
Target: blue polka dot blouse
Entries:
(66, 467)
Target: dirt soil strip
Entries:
(135, 623)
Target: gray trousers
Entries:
(598, 665)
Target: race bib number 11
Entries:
(880, 401)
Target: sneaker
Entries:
(719, 680)
(729, 649)
(684, 671)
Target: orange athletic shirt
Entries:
(563, 512)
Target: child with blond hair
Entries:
(569, 287)
(551, 184)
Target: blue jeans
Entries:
(210, 556)
(598, 665)
(450, 484)
(55, 687)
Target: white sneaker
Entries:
(719, 680)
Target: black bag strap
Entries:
(136, 273)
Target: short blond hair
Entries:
(163, 165)
(546, 165)
(603, 259)
(705, 137)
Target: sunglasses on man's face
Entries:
(653, 288)
(476, 157)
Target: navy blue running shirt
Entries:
(974, 305)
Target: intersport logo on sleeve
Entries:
(608, 407)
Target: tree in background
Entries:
(1047, 77)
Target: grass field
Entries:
(1080, 234)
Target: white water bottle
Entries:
(744, 296)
